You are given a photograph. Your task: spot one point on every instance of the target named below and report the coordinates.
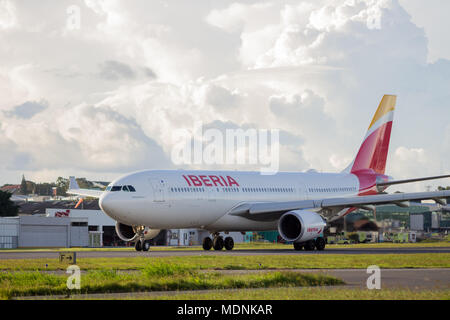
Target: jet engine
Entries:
(130, 233)
(300, 225)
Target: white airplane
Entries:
(299, 205)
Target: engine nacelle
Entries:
(300, 225)
(130, 233)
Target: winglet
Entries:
(73, 184)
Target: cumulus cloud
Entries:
(116, 89)
(7, 14)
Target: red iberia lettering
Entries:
(210, 181)
(196, 181)
(187, 180)
(224, 182)
(206, 181)
(216, 180)
(231, 181)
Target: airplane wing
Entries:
(332, 208)
(75, 189)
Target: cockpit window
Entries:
(121, 188)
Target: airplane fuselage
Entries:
(202, 199)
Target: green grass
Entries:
(227, 262)
(157, 278)
(338, 293)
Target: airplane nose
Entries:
(112, 206)
(105, 203)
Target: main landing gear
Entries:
(218, 243)
(310, 245)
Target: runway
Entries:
(200, 252)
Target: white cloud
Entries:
(117, 88)
(7, 14)
(417, 160)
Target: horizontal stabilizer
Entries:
(74, 189)
(389, 183)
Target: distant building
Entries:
(13, 189)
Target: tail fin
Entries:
(73, 184)
(374, 149)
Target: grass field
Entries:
(337, 293)
(329, 261)
(156, 277)
(35, 277)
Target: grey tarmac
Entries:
(201, 252)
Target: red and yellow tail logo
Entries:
(374, 150)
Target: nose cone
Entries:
(106, 204)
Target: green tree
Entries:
(7, 207)
(63, 185)
(23, 186)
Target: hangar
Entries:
(43, 232)
(57, 224)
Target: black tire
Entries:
(138, 245)
(207, 243)
(309, 245)
(320, 244)
(298, 246)
(146, 246)
(218, 243)
(229, 243)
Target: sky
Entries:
(96, 88)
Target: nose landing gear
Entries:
(141, 244)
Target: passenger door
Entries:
(158, 187)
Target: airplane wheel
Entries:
(298, 246)
(207, 243)
(138, 245)
(229, 243)
(146, 246)
(309, 245)
(320, 244)
(218, 243)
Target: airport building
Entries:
(57, 224)
(43, 232)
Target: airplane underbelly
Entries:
(181, 214)
(236, 223)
